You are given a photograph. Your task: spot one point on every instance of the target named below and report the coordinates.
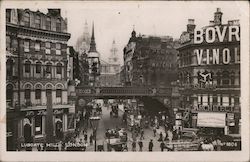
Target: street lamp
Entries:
(94, 123)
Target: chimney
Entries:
(218, 17)
(54, 12)
(211, 23)
(190, 26)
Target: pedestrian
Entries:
(140, 145)
(161, 137)
(133, 146)
(150, 146)
(142, 134)
(91, 139)
(86, 137)
(162, 145)
(154, 131)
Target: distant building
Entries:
(83, 42)
(93, 58)
(150, 61)
(110, 71)
(209, 75)
(36, 64)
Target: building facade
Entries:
(150, 61)
(209, 75)
(110, 71)
(36, 64)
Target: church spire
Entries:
(92, 43)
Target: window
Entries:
(9, 92)
(27, 67)
(37, 46)
(58, 48)
(47, 46)
(58, 25)
(38, 67)
(225, 100)
(59, 68)
(26, 19)
(48, 23)
(225, 78)
(9, 67)
(38, 124)
(38, 93)
(8, 42)
(26, 46)
(58, 93)
(38, 21)
(8, 15)
(48, 68)
(27, 94)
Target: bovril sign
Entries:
(217, 55)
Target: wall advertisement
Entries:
(206, 119)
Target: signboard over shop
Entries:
(43, 112)
(216, 108)
(206, 119)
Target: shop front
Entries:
(221, 120)
(34, 122)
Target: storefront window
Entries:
(38, 125)
(71, 120)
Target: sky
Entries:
(115, 20)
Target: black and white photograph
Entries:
(135, 76)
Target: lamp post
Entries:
(94, 123)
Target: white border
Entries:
(127, 156)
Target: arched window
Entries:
(38, 67)
(48, 23)
(48, 68)
(38, 93)
(27, 92)
(58, 68)
(9, 67)
(27, 19)
(27, 66)
(58, 25)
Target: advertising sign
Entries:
(206, 119)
